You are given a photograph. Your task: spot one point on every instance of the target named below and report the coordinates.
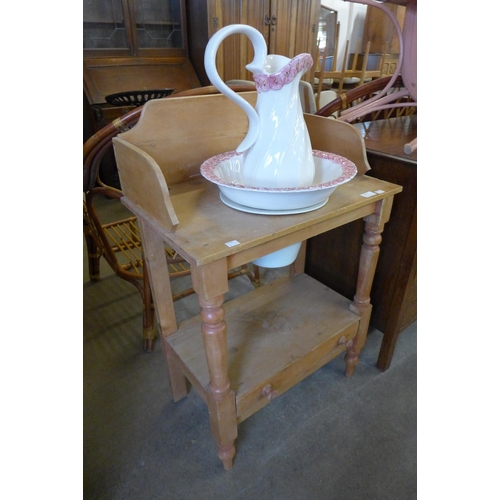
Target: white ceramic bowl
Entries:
(280, 258)
(225, 170)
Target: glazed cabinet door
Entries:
(117, 28)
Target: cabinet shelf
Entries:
(278, 334)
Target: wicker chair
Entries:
(119, 241)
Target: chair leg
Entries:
(255, 276)
(148, 315)
(93, 255)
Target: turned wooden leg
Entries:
(353, 349)
(367, 264)
(154, 254)
(221, 399)
(211, 283)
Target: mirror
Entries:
(327, 35)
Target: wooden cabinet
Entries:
(133, 45)
(331, 256)
(288, 26)
(134, 28)
(130, 45)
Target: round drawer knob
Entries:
(268, 391)
(343, 341)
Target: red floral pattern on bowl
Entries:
(349, 170)
(331, 171)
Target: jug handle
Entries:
(257, 66)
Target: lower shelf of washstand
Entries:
(277, 335)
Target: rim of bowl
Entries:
(349, 170)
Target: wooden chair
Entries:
(347, 75)
(355, 97)
(119, 241)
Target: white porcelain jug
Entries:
(277, 149)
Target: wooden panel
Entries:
(282, 35)
(339, 138)
(409, 312)
(379, 29)
(307, 38)
(292, 33)
(198, 35)
(139, 175)
(295, 30)
(181, 155)
(254, 14)
(236, 51)
(105, 76)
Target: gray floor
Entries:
(329, 437)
